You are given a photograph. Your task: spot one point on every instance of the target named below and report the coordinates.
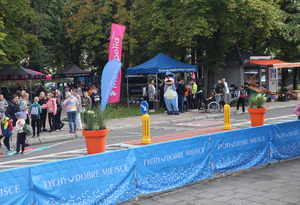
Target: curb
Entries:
(202, 117)
(66, 136)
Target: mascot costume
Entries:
(170, 94)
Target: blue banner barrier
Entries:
(118, 176)
(285, 142)
(100, 179)
(15, 187)
(172, 164)
(241, 149)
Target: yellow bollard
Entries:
(227, 123)
(146, 138)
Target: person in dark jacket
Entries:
(42, 101)
(180, 91)
(13, 108)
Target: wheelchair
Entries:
(207, 105)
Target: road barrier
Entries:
(115, 177)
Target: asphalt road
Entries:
(75, 147)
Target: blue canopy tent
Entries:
(159, 64)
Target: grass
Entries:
(122, 111)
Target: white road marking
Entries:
(267, 119)
(80, 152)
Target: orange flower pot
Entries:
(257, 116)
(95, 140)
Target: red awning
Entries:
(287, 65)
(268, 63)
(274, 63)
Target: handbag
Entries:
(27, 129)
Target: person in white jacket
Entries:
(21, 135)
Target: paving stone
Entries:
(272, 195)
(291, 199)
(223, 198)
(208, 202)
(241, 202)
(242, 195)
(278, 184)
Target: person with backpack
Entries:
(35, 112)
(6, 125)
(242, 95)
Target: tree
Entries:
(287, 42)
(18, 20)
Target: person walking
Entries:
(35, 112)
(242, 95)
(70, 105)
(51, 109)
(42, 101)
(21, 135)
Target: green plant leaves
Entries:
(93, 119)
(257, 101)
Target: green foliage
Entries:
(257, 101)
(48, 34)
(93, 119)
(18, 23)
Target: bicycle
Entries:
(213, 107)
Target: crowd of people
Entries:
(21, 116)
(191, 96)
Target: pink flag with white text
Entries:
(115, 52)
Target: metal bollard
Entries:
(227, 123)
(146, 138)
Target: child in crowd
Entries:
(6, 125)
(21, 135)
(35, 111)
(297, 111)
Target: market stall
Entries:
(271, 76)
(72, 71)
(17, 72)
(160, 64)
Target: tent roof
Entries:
(161, 63)
(73, 70)
(274, 63)
(17, 72)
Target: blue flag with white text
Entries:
(108, 79)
